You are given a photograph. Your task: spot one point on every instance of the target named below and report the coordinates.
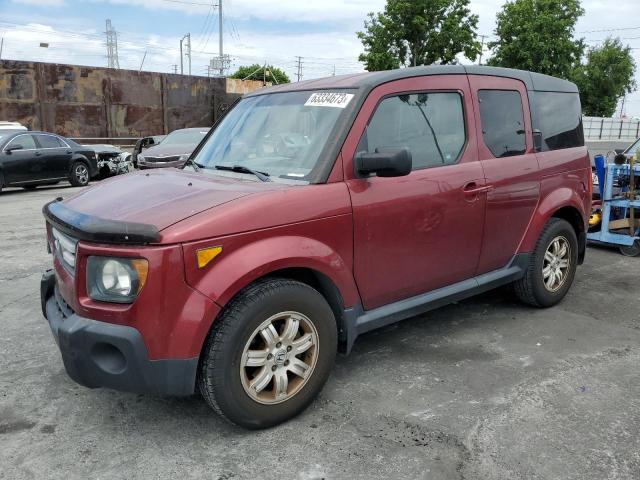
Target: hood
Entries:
(161, 197)
(161, 150)
(102, 148)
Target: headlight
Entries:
(140, 157)
(117, 280)
(184, 157)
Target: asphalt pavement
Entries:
(482, 389)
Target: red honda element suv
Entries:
(312, 213)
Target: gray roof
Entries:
(370, 80)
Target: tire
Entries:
(536, 287)
(224, 379)
(79, 174)
(631, 251)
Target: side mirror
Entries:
(11, 148)
(385, 162)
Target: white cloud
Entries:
(41, 3)
(336, 45)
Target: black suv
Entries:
(29, 159)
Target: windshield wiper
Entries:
(196, 166)
(263, 176)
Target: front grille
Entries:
(64, 247)
(173, 158)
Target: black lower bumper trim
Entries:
(98, 354)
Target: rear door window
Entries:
(430, 125)
(49, 141)
(558, 116)
(502, 120)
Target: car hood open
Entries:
(159, 198)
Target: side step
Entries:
(358, 321)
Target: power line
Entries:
(610, 30)
(619, 38)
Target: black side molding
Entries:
(358, 321)
(96, 229)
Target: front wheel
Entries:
(552, 266)
(79, 175)
(269, 354)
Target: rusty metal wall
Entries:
(78, 101)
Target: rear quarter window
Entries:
(558, 116)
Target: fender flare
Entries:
(265, 256)
(556, 200)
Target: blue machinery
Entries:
(619, 210)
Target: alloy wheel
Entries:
(279, 357)
(556, 263)
(82, 174)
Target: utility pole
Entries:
(334, 69)
(112, 46)
(175, 68)
(142, 62)
(188, 53)
(220, 49)
(482, 37)
(622, 106)
(1, 45)
(299, 62)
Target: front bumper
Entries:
(99, 354)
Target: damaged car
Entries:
(174, 150)
(111, 160)
(143, 144)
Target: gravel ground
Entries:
(484, 389)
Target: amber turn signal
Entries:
(205, 255)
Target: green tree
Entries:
(607, 75)
(419, 32)
(537, 35)
(257, 72)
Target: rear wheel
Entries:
(79, 175)
(552, 266)
(269, 354)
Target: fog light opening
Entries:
(109, 358)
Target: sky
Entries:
(322, 32)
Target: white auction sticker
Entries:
(329, 99)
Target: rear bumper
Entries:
(99, 354)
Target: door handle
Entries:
(38, 154)
(472, 188)
(69, 152)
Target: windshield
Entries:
(185, 137)
(281, 134)
(633, 149)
